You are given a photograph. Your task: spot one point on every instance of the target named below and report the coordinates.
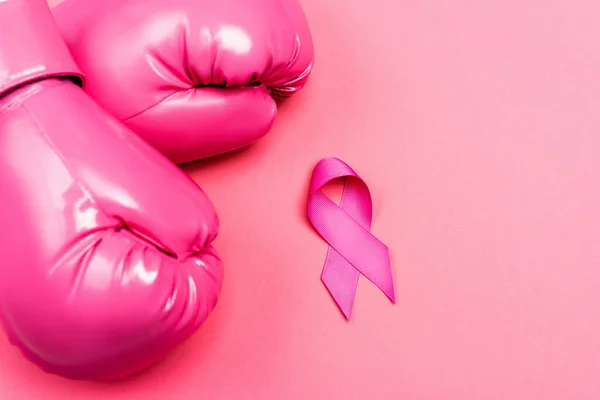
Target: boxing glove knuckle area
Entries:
(193, 78)
(94, 277)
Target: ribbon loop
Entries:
(346, 228)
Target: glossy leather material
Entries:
(194, 78)
(25, 57)
(107, 262)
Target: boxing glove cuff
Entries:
(31, 47)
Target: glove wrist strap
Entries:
(31, 47)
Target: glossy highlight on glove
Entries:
(107, 256)
(194, 78)
(354, 250)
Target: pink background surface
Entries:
(476, 125)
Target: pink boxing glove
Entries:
(106, 251)
(194, 78)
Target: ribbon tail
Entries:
(341, 279)
(357, 245)
(379, 270)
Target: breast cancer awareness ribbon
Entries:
(346, 228)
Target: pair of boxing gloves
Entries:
(107, 262)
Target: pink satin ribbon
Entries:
(346, 228)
